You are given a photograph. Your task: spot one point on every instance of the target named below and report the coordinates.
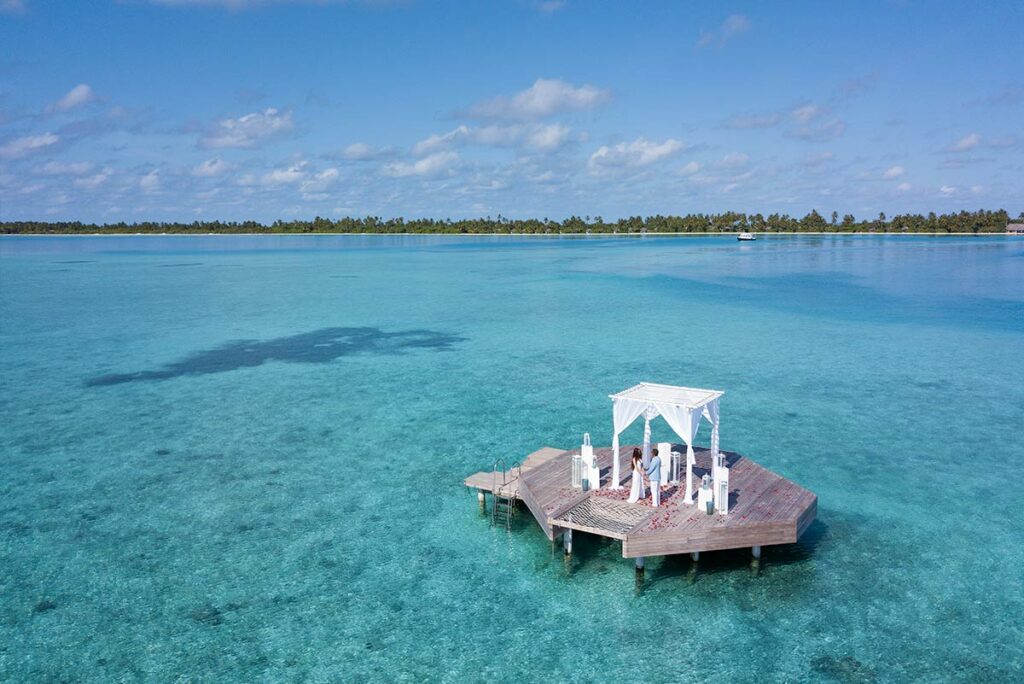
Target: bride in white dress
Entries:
(637, 491)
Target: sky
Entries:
(183, 110)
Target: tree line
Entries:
(981, 221)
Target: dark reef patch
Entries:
(843, 669)
(318, 346)
(207, 615)
(44, 606)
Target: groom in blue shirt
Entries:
(654, 475)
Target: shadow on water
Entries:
(317, 346)
(678, 567)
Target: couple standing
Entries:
(653, 472)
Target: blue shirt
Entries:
(654, 470)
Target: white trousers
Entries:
(655, 493)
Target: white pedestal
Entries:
(665, 454)
(721, 488)
(595, 476)
(703, 496)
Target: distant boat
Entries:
(746, 236)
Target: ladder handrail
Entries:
(501, 496)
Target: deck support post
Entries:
(756, 552)
(482, 499)
(695, 555)
(567, 541)
(639, 565)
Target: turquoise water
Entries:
(198, 438)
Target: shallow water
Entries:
(240, 458)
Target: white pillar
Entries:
(714, 451)
(714, 439)
(615, 462)
(689, 475)
(695, 555)
(639, 563)
(480, 497)
(647, 441)
(755, 551)
(567, 540)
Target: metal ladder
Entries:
(503, 501)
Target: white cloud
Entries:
(431, 165)
(78, 96)
(211, 167)
(968, 142)
(544, 98)
(821, 132)
(150, 182)
(543, 137)
(548, 137)
(893, 172)
(640, 152)
(92, 182)
(977, 189)
(12, 6)
(29, 144)
(549, 6)
(689, 168)
(733, 26)
(360, 151)
(733, 159)
(903, 187)
(814, 160)
(948, 190)
(292, 174)
(55, 168)
(439, 141)
(313, 188)
(492, 136)
(807, 113)
(248, 130)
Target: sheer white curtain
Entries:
(685, 423)
(624, 412)
(711, 413)
(650, 413)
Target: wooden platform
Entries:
(764, 508)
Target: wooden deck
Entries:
(764, 508)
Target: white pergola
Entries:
(681, 407)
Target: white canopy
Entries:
(681, 407)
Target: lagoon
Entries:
(241, 457)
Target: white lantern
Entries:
(577, 471)
(665, 454)
(592, 472)
(705, 496)
(721, 485)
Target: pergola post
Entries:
(689, 475)
(714, 438)
(647, 440)
(713, 415)
(615, 461)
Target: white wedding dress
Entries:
(637, 491)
